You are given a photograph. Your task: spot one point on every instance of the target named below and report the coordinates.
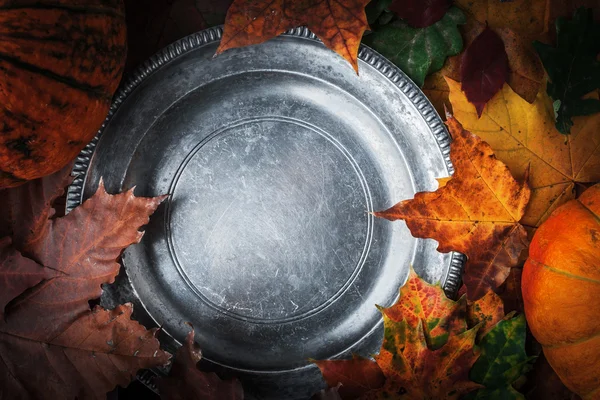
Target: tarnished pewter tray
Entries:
(274, 156)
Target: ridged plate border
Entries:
(191, 42)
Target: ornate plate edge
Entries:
(191, 42)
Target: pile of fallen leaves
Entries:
(522, 80)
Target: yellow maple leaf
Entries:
(523, 134)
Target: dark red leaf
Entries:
(484, 68)
(420, 13)
(25, 210)
(17, 273)
(357, 376)
(187, 382)
(52, 345)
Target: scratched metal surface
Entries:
(273, 156)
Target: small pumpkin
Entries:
(561, 292)
(60, 63)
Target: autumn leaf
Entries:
(503, 360)
(485, 312)
(424, 303)
(528, 18)
(18, 273)
(420, 13)
(416, 372)
(340, 24)
(419, 51)
(526, 72)
(484, 68)
(476, 213)
(355, 377)
(411, 368)
(523, 135)
(54, 346)
(573, 67)
(510, 291)
(25, 210)
(331, 393)
(187, 382)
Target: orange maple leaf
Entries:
(476, 212)
(339, 24)
(424, 303)
(427, 351)
(417, 372)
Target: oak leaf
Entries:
(340, 24)
(52, 345)
(187, 382)
(476, 213)
(420, 13)
(523, 135)
(484, 68)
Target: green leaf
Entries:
(419, 51)
(573, 67)
(375, 9)
(503, 360)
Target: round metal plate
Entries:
(274, 157)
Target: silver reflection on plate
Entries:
(274, 156)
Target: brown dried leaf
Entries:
(339, 24)
(18, 273)
(51, 344)
(25, 210)
(187, 382)
(477, 213)
(355, 377)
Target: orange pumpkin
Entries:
(561, 292)
(60, 63)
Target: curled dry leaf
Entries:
(523, 135)
(420, 13)
(477, 213)
(52, 345)
(339, 24)
(484, 68)
(187, 382)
